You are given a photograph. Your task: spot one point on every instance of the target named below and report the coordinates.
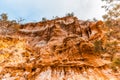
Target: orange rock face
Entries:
(59, 49)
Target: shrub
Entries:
(98, 46)
(44, 19)
(116, 61)
(115, 64)
(70, 14)
(4, 17)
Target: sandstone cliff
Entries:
(59, 49)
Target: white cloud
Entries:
(36, 9)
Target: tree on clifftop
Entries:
(4, 17)
(112, 8)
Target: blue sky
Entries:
(34, 10)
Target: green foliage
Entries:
(19, 20)
(4, 17)
(70, 14)
(94, 19)
(110, 47)
(44, 19)
(115, 64)
(112, 8)
(8, 26)
(98, 46)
